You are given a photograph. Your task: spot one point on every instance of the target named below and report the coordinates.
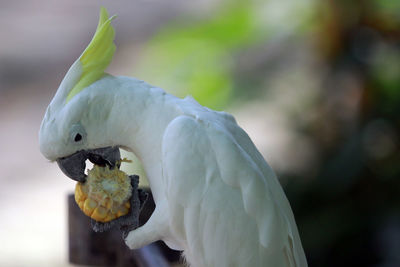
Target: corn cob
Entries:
(105, 194)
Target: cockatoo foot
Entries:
(156, 228)
(126, 228)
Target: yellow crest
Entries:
(97, 55)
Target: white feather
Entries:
(216, 197)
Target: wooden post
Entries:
(108, 248)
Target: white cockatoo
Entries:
(216, 197)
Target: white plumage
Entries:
(216, 197)
(225, 205)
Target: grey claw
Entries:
(143, 196)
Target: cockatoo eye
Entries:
(78, 137)
(77, 133)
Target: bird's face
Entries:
(75, 126)
(76, 131)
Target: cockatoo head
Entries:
(73, 128)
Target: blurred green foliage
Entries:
(386, 76)
(196, 58)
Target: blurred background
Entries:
(316, 84)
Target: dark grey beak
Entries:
(74, 165)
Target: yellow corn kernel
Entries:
(110, 217)
(80, 204)
(78, 193)
(113, 216)
(89, 206)
(108, 203)
(122, 211)
(99, 214)
(85, 189)
(105, 194)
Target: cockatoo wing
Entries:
(224, 199)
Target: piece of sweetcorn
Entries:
(105, 194)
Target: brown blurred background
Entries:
(316, 84)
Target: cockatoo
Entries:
(216, 197)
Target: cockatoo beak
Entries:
(74, 165)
